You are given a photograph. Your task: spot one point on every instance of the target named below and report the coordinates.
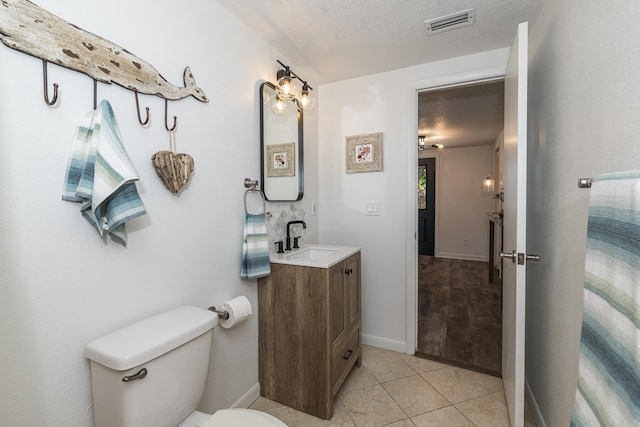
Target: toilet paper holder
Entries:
(224, 315)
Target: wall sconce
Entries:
(291, 87)
(488, 184)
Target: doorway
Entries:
(426, 206)
(459, 318)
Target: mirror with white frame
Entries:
(281, 147)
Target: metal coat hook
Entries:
(95, 94)
(175, 119)
(46, 86)
(138, 110)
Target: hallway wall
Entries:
(461, 205)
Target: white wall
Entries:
(61, 286)
(584, 97)
(380, 103)
(461, 205)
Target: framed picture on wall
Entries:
(281, 159)
(364, 153)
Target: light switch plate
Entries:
(373, 208)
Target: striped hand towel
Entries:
(255, 248)
(101, 176)
(608, 392)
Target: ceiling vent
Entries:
(450, 22)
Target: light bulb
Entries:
(306, 101)
(421, 142)
(278, 105)
(288, 87)
(285, 86)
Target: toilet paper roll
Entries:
(239, 309)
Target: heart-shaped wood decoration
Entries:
(174, 169)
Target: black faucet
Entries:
(288, 241)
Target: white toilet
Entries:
(153, 374)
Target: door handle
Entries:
(513, 255)
(520, 257)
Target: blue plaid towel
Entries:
(608, 392)
(255, 248)
(100, 175)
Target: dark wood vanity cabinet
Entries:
(309, 333)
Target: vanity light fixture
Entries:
(291, 87)
(421, 142)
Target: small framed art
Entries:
(281, 159)
(364, 153)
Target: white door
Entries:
(515, 221)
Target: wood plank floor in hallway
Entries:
(459, 314)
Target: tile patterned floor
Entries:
(397, 390)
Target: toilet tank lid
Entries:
(147, 339)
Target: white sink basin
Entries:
(314, 255)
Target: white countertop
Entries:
(331, 255)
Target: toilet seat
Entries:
(241, 417)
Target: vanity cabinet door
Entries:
(352, 291)
(346, 346)
(337, 301)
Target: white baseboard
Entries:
(466, 257)
(399, 346)
(533, 405)
(248, 398)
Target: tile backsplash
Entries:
(278, 215)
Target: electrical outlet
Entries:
(314, 208)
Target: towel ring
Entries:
(264, 203)
(252, 186)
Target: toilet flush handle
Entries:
(140, 375)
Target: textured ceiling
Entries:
(331, 40)
(462, 116)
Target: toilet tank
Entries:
(174, 348)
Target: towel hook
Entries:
(46, 86)
(138, 110)
(95, 94)
(175, 119)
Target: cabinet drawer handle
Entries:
(347, 355)
(349, 271)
